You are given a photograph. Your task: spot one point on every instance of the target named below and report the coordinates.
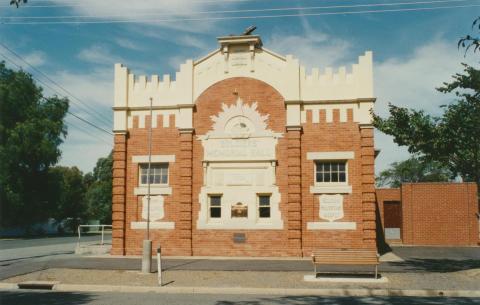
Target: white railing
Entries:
(102, 231)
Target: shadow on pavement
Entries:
(20, 297)
(7, 262)
(303, 300)
(436, 265)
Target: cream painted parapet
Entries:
(132, 98)
(165, 92)
(341, 85)
(244, 56)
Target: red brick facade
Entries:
(436, 214)
(294, 177)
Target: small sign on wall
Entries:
(331, 207)
(239, 238)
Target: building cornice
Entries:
(169, 107)
(339, 101)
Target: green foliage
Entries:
(69, 191)
(99, 191)
(31, 130)
(17, 2)
(413, 170)
(452, 139)
(469, 41)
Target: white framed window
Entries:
(158, 174)
(331, 172)
(263, 204)
(215, 206)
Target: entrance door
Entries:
(392, 215)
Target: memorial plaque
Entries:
(331, 207)
(239, 210)
(239, 238)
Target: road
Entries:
(28, 297)
(32, 248)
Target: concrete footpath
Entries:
(425, 272)
(453, 284)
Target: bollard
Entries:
(159, 265)
(147, 256)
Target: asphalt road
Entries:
(21, 249)
(18, 256)
(47, 241)
(27, 297)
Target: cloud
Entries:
(98, 54)
(147, 12)
(36, 58)
(128, 44)
(85, 144)
(318, 49)
(410, 81)
(83, 147)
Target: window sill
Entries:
(142, 225)
(240, 225)
(154, 190)
(331, 189)
(325, 225)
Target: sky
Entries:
(71, 47)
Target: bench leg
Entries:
(315, 270)
(376, 271)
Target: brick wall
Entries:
(440, 214)
(258, 242)
(339, 136)
(294, 176)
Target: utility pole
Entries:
(147, 243)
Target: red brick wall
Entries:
(339, 136)
(165, 141)
(118, 194)
(294, 176)
(440, 214)
(258, 242)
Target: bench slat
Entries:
(345, 257)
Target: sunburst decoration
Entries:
(247, 115)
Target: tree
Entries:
(414, 169)
(468, 41)
(99, 190)
(452, 139)
(17, 2)
(31, 130)
(69, 195)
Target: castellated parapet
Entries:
(245, 57)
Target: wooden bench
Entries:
(345, 257)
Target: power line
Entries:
(100, 116)
(244, 17)
(68, 111)
(66, 122)
(85, 131)
(130, 16)
(77, 4)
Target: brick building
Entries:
(430, 214)
(251, 156)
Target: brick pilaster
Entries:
(368, 186)
(119, 193)
(294, 200)
(186, 181)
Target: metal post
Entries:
(159, 265)
(78, 230)
(147, 243)
(103, 229)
